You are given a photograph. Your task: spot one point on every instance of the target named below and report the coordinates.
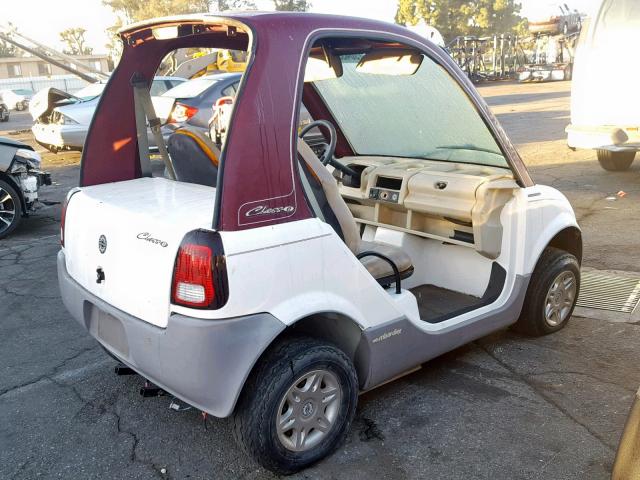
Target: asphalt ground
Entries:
(504, 407)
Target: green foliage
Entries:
(74, 39)
(136, 10)
(222, 5)
(292, 5)
(462, 17)
(7, 49)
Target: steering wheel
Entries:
(327, 156)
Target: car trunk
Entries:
(43, 103)
(131, 231)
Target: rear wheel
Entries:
(10, 209)
(297, 406)
(552, 293)
(615, 161)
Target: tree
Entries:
(462, 17)
(74, 38)
(135, 10)
(222, 5)
(7, 49)
(292, 5)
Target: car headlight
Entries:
(64, 120)
(28, 157)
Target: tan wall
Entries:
(29, 67)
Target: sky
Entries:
(44, 19)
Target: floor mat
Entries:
(438, 304)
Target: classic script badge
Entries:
(146, 236)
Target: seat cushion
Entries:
(194, 157)
(379, 268)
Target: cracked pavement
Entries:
(503, 407)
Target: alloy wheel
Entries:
(308, 410)
(7, 210)
(560, 298)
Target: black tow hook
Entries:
(124, 370)
(150, 390)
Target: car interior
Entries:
(406, 172)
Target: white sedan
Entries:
(62, 120)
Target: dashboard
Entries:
(454, 202)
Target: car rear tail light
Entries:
(223, 101)
(63, 215)
(181, 113)
(200, 272)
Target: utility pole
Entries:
(47, 58)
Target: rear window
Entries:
(190, 89)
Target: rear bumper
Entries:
(203, 362)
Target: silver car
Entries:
(62, 120)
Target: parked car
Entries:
(605, 107)
(20, 181)
(62, 119)
(564, 21)
(271, 284)
(4, 112)
(191, 102)
(17, 98)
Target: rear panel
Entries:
(131, 231)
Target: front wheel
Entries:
(552, 293)
(10, 209)
(297, 406)
(615, 161)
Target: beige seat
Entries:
(329, 205)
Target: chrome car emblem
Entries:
(102, 243)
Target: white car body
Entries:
(16, 99)
(65, 127)
(414, 228)
(605, 107)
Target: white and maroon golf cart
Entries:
(274, 282)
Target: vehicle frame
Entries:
(264, 228)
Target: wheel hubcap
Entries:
(308, 410)
(560, 298)
(7, 210)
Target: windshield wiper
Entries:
(470, 148)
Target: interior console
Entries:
(453, 202)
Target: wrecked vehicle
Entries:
(61, 120)
(20, 180)
(564, 22)
(263, 281)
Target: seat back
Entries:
(327, 202)
(195, 157)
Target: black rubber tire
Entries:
(615, 161)
(254, 420)
(18, 208)
(551, 263)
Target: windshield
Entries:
(423, 115)
(190, 89)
